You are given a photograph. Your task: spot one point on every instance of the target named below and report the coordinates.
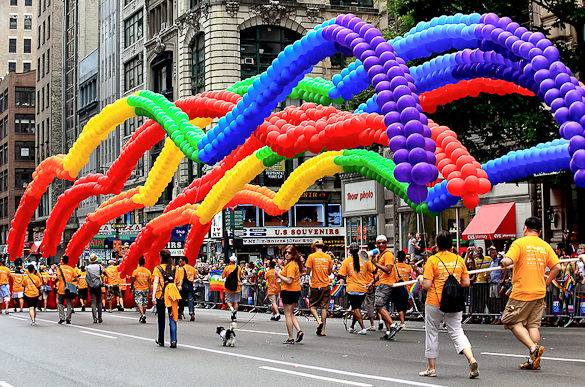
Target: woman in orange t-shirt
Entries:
(32, 290)
(291, 291)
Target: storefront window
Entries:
(250, 215)
(309, 215)
(334, 214)
(362, 230)
(276, 221)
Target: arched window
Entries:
(198, 63)
(259, 46)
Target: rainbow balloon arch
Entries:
(431, 170)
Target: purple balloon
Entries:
(541, 75)
(557, 104)
(576, 143)
(401, 156)
(562, 115)
(412, 127)
(539, 62)
(378, 78)
(571, 129)
(525, 49)
(580, 178)
(516, 46)
(415, 140)
(398, 81)
(400, 91)
(395, 72)
(504, 22)
(572, 96)
(360, 48)
(405, 101)
(422, 173)
(417, 155)
(416, 193)
(551, 95)
(397, 143)
(383, 97)
(386, 55)
(546, 85)
(431, 158)
(489, 18)
(371, 61)
(391, 118)
(512, 27)
(536, 37)
(510, 41)
(375, 70)
(578, 158)
(526, 36)
(395, 130)
(388, 107)
(561, 79)
(551, 53)
(402, 172)
(383, 85)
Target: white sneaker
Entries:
(363, 332)
(372, 329)
(351, 330)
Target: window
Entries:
(24, 123)
(3, 154)
(198, 64)
(24, 150)
(260, 45)
(26, 67)
(4, 181)
(162, 74)
(87, 93)
(27, 22)
(13, 2)
(28, 3)
(250, 215)
(11, 66)
(276, 221)
(24, 96)
(13, 22)
(334, 215)
(22, 176)
(353, 3)
(48, 26)
(133, 75)
(4, 101)
(132, 29)
(12, 45)
(3, 127)
(27, 44)
(309, 215)
(131, 125)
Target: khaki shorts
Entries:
(273, 298)
(529, 313)
(319, 297)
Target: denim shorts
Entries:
(4, 291)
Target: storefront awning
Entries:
(492, 221)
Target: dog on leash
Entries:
(227, 336)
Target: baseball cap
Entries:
(233, 258)
(381, 238)
(318, 243)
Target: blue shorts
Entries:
(4, 291)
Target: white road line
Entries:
(544, 357)
(311, 376)
(124, 317)
(98, 334)
(263, 359)
(262, 332)
(5, 384)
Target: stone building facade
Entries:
(18, 31)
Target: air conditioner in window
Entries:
(249, 61)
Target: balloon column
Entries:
(460, 56)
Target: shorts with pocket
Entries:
(319, 297)
(5, 292)
(113, 290)
(17, 294)
(273, 298)
(232, 296)
(141, 297)
(529, 313)
(383, 295)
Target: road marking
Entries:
(262, 359)
(525, 356)
(98, 334)
(263, 332)
(311, 376)
(5, 384)
(124, 317)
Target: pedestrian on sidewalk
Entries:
(437, 278)
(233, 286)
(273, 289)
(32, 290)
(94, 279)
(4, 287)
(291, 291)
(187, 289)
(319, 266)
(140, 283)
(66, 289)
(530, 255)
(166, 297)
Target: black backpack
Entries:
(231, 281)
(453, 296)
(187, 285)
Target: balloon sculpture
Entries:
(431, 170)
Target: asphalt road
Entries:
(122, 352)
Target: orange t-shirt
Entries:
(141, 277)
(271, 283)
(387, 259)
(227, 270)
(531, 255)
(321, 265)
(4, 275)
(404, 271)
(437, 272)
(32, 283)
(82, 281)
(357, 282)
(112, 275)
(191, 272)
(45, 278)
(161, 283)
(70, 275)
(17, 279)
(291, 270)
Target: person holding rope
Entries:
(445, 275)
(530, 256)
(319, 266)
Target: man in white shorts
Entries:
(4, 287)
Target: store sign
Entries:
(360, 198)
(276, 171)
(278, 241)
(295, 232)
(315, 195)
(124, 230)
(216, 230)
(176, 248)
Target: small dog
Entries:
(227, 336)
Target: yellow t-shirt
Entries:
(227, 270)
(271, 283)
(4, 275)
(387, 259)
(32, 283)
(141, 277)
(291, 270)
(357, 282)
(191, 272)
(17, 279)
(531, 255)
(112, 275)
(161, 283)
(483, 263)
(320, 265)
(404, 271)
(82, 281)
(70, 276)
(438, 273)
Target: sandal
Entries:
(300, 336)
(319, 329)
(473, 370)
(289, 341)
(429, 373)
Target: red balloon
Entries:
(446, 171)
(471, 183)
(471, 201)
(443, 163)
(451, 147)
(455, 186)
(457, 154)
(468, 170)
(484, 186)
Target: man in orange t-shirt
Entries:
(273, 289)
(113, 281)
(4, 287)
(65, 274)
(319, 266)
(140, 283)
(530, 256)
(232, 297)
(187, 288)
(387, 273)
(18, 287)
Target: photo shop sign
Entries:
(361, 198)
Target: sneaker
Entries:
(60, 321)
(160, 343)
(277, 318)
(95, 321)
(527, 365)
(473, 370)
(68, 322)
(173, 344)
(536, 355)
(372, 329)
(234, 318)
(83, 308)
(352, 330)
(273, 318)
(120, 309)
(192, 318)
(393, 332)
(428, 373)
(363, 332)
(380, 326)
(100, 320)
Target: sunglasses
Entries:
(380, 243)
(288, 252)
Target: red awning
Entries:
(492, 221)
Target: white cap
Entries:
(381, 238)
(233, 258)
